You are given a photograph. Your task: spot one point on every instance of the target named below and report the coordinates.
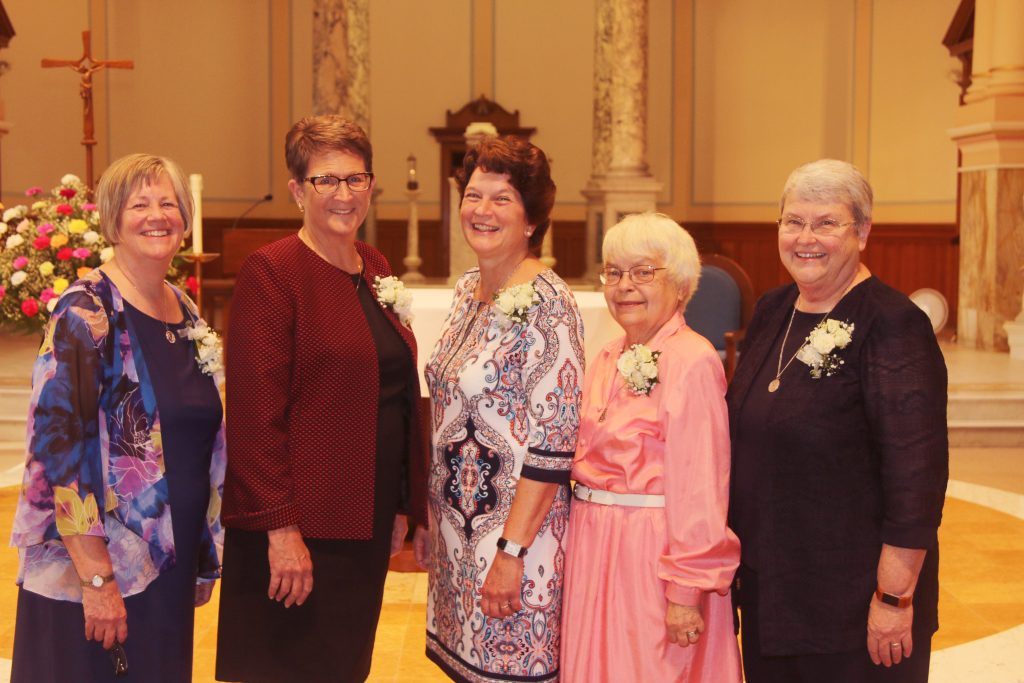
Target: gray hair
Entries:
(830, 181)
(656, 236)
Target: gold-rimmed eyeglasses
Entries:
(329, 184)
(794, 225)
(640, 275)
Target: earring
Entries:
(302, 209)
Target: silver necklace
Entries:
(773, 386)
(168, 333)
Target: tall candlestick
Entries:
(412, 183)
(196, 183)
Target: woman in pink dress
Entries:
(650, 557)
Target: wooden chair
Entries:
(722, 306)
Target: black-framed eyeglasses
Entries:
(328, 184)
(640, 275)
(794, 225)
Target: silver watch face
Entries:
(97, 581)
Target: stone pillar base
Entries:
(1015, 337)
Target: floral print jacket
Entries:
(95, 460)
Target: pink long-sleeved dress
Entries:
(625, 563)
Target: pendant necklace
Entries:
(773, 386)
(168, 333)
(607, 405)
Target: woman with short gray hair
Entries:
(650, 558)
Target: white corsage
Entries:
(209, 353)
(638, 365)
(513, 303)
(820, 351)
(391, 293)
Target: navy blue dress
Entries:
(49, 644)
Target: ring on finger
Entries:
(895, 646)
(692, 634)
(506, 605)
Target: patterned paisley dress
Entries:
(505, 401)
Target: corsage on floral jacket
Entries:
(95, 460)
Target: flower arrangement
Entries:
(47, 245)
(638, 365)
(392, 294)
(513, 303)
(820, 349)
(209, 351)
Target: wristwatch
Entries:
(511, 547)
(97, 580)
(894, 600)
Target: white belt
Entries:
(636, 500)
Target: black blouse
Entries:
(832, 468)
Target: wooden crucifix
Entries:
(86, 66)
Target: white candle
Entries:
(196, 182)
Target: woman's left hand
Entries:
(684, 624)
(889, 638)
(204, 591)
(499, 598)
(398, 533)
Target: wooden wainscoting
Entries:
(904, 256)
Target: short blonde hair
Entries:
(656, 236)
(125, 176)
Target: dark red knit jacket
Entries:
(302, 387)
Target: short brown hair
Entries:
(325, 133)
(528, 170)
(125, 176)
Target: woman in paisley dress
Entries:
(505, 382)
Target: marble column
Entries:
(341, 71)
(989, 131)
(620, 183)
(341, 59)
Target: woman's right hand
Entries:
(291, 569)
(106, 619)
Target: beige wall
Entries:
(741, 91)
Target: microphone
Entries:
(265, 198)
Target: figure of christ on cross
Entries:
(86, 66)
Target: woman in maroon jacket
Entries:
(324, 454)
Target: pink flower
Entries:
(65, 209)
(88, 206)
(64, 254)
(45, 228)
(3, 291)
(30, 307)
(192, 284)
(41, 242)
(20, 262)
(23, 226)
(33, 191)
(47, 294)
(81, 252)
(68, 192)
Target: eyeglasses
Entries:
(640, 275)
(328, 184)
(794, 225)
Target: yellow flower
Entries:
(74, 515)
(60, 284)
(77, 226)
(58, 240)
(46, 268)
